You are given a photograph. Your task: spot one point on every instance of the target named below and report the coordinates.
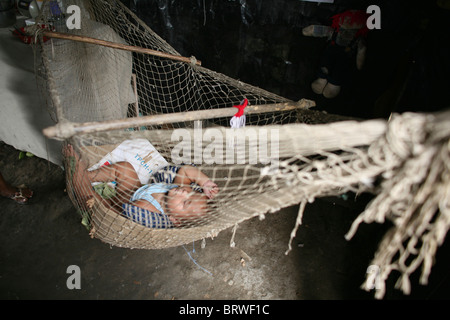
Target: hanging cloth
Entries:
(238, 120)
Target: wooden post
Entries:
(136, 97)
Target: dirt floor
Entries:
(39, 241)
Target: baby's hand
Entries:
(210, 189)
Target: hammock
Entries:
(115, 80)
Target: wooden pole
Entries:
(120, 46)
(136, 103)
(66, 130)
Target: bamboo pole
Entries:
(65, 130)
(120, 46)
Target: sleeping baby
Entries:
(174, 196)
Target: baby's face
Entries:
(185, 204)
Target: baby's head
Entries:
(185, 205)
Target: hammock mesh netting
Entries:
(128, 116)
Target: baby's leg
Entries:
(123, 173)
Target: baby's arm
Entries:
(189, 174)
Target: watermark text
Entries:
(232, 146)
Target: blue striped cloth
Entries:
(151, 219)
(147, 218)
(166, 174)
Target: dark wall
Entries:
(261, 43)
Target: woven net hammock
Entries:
(131, 109)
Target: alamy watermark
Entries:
(373, 279)
(232, 146)
(257, 146)
(74, 280)
(374, 20)
(72, 16)
(73, 20)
